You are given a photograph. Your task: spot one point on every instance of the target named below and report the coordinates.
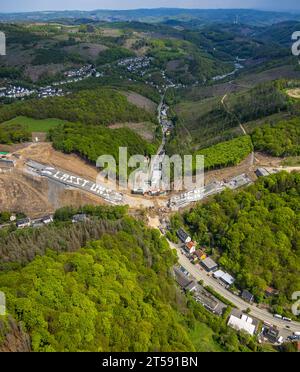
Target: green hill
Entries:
(117, 293)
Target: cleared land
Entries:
(294, 93)
(90, 50)
(283, 72)
(141, 101)
(36, 72)
(291, 161)
(145, 129)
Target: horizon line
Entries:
(149, 8)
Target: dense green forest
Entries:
(115, 294)
(13, 133)
(281, 139)
(254, 233)
(55, 55)
(10, 72)
(92, 141)
(98, 106)
(105, 297)
(117, 83)
(113, 54)
(228, 153)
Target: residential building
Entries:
(79, 218)
(208, 301)
(200, 254)
(244, 323)
(224, 277)
(182, 280)
(6, 162)
(261, 172)
(191, 287)
(21, 224)
(183, 236)
(190, 247)
(201, 295)
(209, 264)
(247, 296)
(269, 292)
(47, 219)
(272, 334)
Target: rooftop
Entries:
(244, 323)
(181, 278)
(246, 295)
(209, 263)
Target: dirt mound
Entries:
(294, 93)
(17, 193)
(15, 339)
(44, 153)
(36, 196)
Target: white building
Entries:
(245, 323)
(225, 277)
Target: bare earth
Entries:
(36, 196)
(35, 72)
(294, 93)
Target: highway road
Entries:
(73, 180)
(200, 274)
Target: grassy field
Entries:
(202, 338)
(34, 125)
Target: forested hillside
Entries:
(216, 119)
(255, 235)
(13, 133)
(116, 294)
(105, 297)
(280, 139)
(98, 106)
(228, 153)
(92, 141)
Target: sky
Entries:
(34, 5)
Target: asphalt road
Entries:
(73, 180)
(200, 274)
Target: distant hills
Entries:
(200, 16)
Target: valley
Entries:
(89, 265)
